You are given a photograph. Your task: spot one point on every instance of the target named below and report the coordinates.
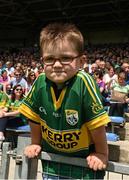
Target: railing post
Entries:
(5, 158)
(23, 141)
(29, 168)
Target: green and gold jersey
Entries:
(66, 121)
(13, 105)
(3, 99)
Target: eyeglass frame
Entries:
(32, 75)
(18, 89)
(18, 74)
(59, 59)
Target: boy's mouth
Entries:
(58, 71)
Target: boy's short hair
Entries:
(56, 33)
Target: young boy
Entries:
(64, 107)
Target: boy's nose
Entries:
(57, 63)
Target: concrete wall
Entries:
(108, 36)
(17, 38)
(21, 38)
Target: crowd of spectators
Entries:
(109, 65)
(18, 71)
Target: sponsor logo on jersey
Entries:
(96, 107)
(70, 140)
(56, 115)
(42, 109)
(71, 117)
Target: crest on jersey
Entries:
(71, 117)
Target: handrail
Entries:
(28, 167)
(112, 166)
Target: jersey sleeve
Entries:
(29, 106)
(4, 100)
(93, 110)
(8, 103)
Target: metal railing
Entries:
(27, 168)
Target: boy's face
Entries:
(66, 62)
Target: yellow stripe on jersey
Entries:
(92, 81)
(98, 121)
(58, 103)
(26, 111)
(33, 87)
(89, 89)
(90, 86)
(31, 92)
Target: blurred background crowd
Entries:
(108, 64)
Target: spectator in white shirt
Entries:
(18, 79)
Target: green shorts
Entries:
(70, 171)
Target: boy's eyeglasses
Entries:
(18, 89)
(65, 60)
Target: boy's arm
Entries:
(99, 159)
(34, 149)
(35, 133)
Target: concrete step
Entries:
(119, 151)
(123, 132)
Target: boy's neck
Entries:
(60, 86)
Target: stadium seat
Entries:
(116, 120)
(112, 137)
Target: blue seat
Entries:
(112, 137)
(24, 128)
(117, 119)
(20, 129)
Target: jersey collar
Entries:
(58, 99)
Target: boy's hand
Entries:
(32, 151)
(97, 161)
